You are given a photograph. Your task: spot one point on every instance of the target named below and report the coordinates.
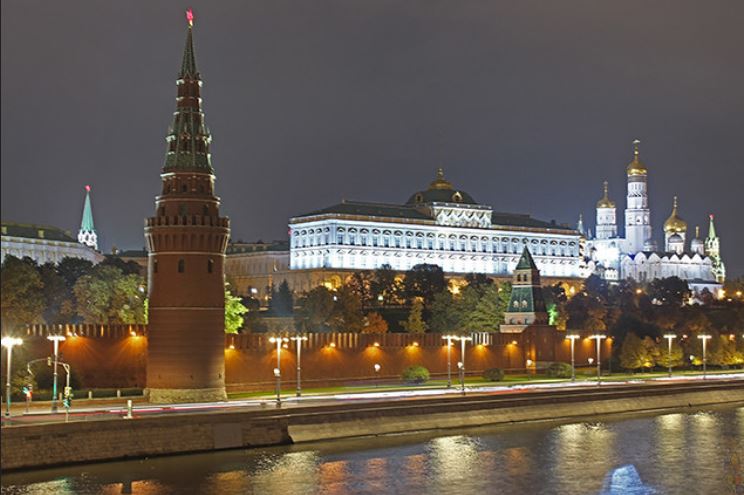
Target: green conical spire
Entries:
(526, 262)
(188, 137)
(188, 65)
(87, 224)
(711, 228)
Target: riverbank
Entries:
(36, 446)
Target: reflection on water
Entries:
(690, 453)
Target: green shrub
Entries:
(494, 374)
(558, 370)
(415, 374)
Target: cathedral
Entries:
(636, 255)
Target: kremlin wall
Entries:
(114, 356)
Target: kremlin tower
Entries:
(87, 233)
(186, 242)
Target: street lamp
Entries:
(572, 337)
(298, 340)
(670, 337)
(598, 337)
(9, 343)
(377, 375)
(449, 358)
(56, 339)
(704, 338)
(278, 369)
(461, 364)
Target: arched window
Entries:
(210, 265)
(205, 210)
(155, 266)
(181, 266)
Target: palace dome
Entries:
(441, 191)
(674, 223)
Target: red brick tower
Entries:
(186, 241)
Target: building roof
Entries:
(258, 246)
(371, 209)
(34, 231)
(526, 262)
(440, 191)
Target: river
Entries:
(698, 452)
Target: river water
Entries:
(700, 452)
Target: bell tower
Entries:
(186, 242)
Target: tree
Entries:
(478, 281)
(424, 281)
(488, 312)
(71, 269)
(360, 283)
(597, 287)
(375, 323)
(444, 313)
(22, 296)
(347, 313)
(234, 311)
(384, 288)
(59, 304)
(676, 359)
(634, 354)
(106, 295)
(281, 302)
(415, 322)
(316, 308)
(126, 267)
(672, 290)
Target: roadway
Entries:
(116, 409)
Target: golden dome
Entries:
(636, 167)
(674, 223)
(605, 202)
(440, 182)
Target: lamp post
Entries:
(298, 340)
(56, 339)
(704, 338)
(377, 375)
(9, 343)
(449, 338)
(598, 337)
(461, 364)
(278, 370)
(669, 337)
(572, 337)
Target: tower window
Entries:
(155, 266)
(181, 266)
(210, 265)
(205, 210)
(184, 188)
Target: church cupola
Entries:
(675, 230)
(697, 245)
(87, 233)
(606, 216)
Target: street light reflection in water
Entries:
(629, 454)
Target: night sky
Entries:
(527, 105)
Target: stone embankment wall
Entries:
(27, 447)
(114, 356)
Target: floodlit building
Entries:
(440, 225)
(636, 255)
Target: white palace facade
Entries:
(440, 225)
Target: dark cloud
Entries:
(529, 106)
